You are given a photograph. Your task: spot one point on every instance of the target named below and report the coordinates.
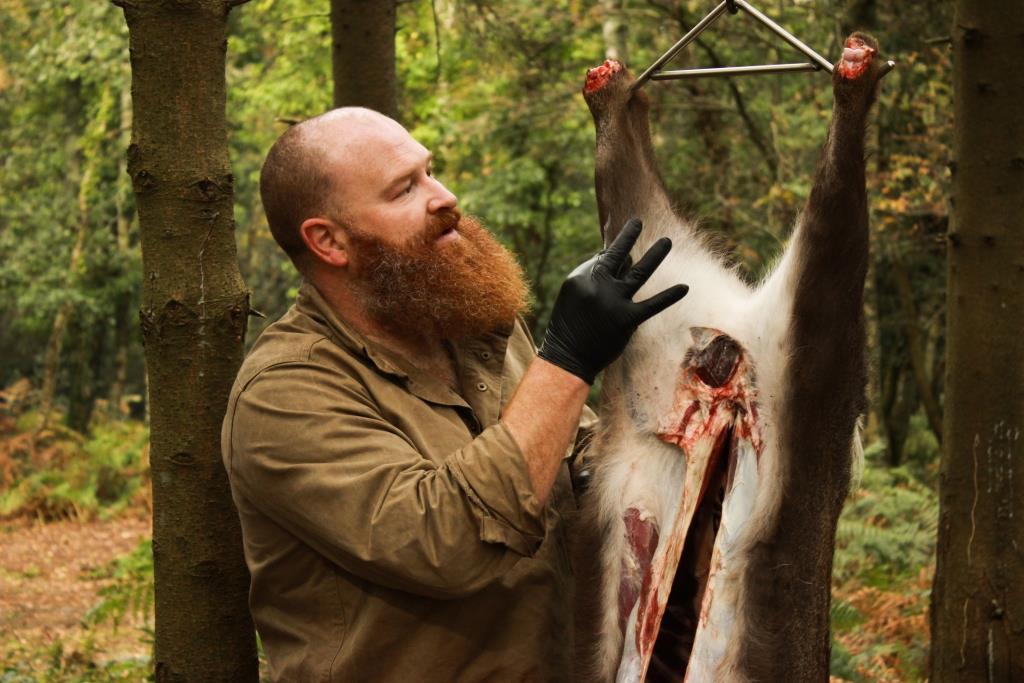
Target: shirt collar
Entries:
(310, 302)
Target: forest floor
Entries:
(50, 577)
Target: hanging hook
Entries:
(654, 71)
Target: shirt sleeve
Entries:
(310, 449)
(584, 434)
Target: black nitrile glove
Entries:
(594, 315)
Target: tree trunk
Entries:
(615, 31)
(978, 598)
(122, 311)
(363, 54)
(193, 316)
(87, 341)
(55, 343)
(916, 347)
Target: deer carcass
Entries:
(729, 423)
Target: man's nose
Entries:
(442, 198)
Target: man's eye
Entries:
(407, 189)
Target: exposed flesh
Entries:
(856, 58)
(714, 423)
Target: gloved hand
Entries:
(594, 315)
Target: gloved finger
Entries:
(649, 308)
(615, 254)
(587, 265)
(624, 268)
(647, 264)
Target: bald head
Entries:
(302, 172)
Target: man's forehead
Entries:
(368, 147)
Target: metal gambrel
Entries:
(654, 71)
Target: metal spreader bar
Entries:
(654, 71)
(734, 71)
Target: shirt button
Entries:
(481, 386)
(486, 355)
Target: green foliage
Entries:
(887, 532)
(885, 551)
(79, 660)
(56, 664)
(72, 476)
(63, 82)
(844, 616)
(130, 594)
(921, 451)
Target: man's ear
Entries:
(326, 241)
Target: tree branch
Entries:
(756, 136)
(437, 41)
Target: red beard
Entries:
(462, 288)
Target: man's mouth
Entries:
(448, 235)
(443, 227)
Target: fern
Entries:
(83, 477)
(885, 547)
(887, 533)
(130, 594)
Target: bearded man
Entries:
(396, 449)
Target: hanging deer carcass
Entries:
(729, 424)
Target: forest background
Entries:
(493, 89)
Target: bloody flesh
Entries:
(642, 535)
(714, 406)
(856, 58)
(599, 75)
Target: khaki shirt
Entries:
(389, 522)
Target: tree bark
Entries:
(978, 597)
(193, 316)
(363, 54)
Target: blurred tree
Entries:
(615, 31)
(194, 313)
(978, 596)
(123, 228)
(82, 180)
(363, 54)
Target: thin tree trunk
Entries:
(978, 597)
(122, 324)
(363, 54)
(55, 343)
(87, 368)
(193, 316)
(615, 31)
(898, 400)
(87, 159)
(51, 361)
(82, 391)
(916, 348)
